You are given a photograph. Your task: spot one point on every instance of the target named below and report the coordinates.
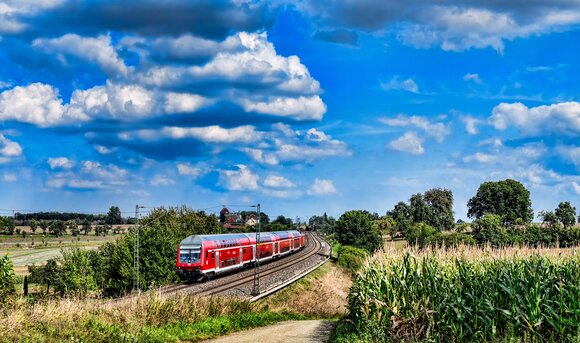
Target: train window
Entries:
(244, 250)
(206, 254)
(212, 254)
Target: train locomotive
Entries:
(204, 256)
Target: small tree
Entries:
(489, 229)
(566, 214)
(57, 228)
(33, 225)
(386, 226)
(44, 225)
(356, 228)
(549, 219)
(86, 227)
(7, 279)
(114, 216)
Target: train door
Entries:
(241, 260)
(217, 260)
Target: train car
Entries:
(203, 256)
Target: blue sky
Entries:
(302, 106)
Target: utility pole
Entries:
(256, 289)
(136, 285)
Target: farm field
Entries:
(468, 293)
(23, 253)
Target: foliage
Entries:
(489, 229)
(7, 225)
(386, 226)
(351, 258)
(421, 234)
(57, 228)
(7, 279)
(355, 228)
(401, 214)
(86, 226)
(455, 239)
(114, 216)
(434, 207)
(566, 214)
(435, 299)
(33, 225)
(322, 223)
(508, 199)
(549, 219)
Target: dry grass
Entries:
(473, 252)
(321, 294)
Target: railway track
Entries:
(226, 283)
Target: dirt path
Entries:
(290, 331)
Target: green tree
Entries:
(401, 214)
(508, 199)
(549, 219)
(76, 275)
(386, 226)
(566, 214)
(33, 225)
(421, 234)
(7, 279)
(57, 228)
(44, 225)
(7, 225)
(114, 216)
(440, 201)
(86, 227)
(356, 228)
(489, 229)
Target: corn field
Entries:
(517, 296)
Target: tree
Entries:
(283, 221)
(356, 228)
(489, 229)
(114, 216)
(57, 228)
(386, 226)
(508, 199)
(7, 225)
(86, 227)
(549, 219)
(420, 211)
(422, 234)
(33, 225)
(44, 225)
(566, 214)
(440, 201)
(401, 214)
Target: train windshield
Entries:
(189, 256)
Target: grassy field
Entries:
(31, 250)
(465, 294)
(155, 318)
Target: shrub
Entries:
(422, 234)
(351, 258)
(455, 239)
(7, 279)
(489, 229)
(356, 228)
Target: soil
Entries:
(290, 331)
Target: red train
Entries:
(203, 256)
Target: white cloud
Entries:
(479, 157)
(576, 187)
(88, 175)
(239, 180)
(103, 150)
(470, 124)
(260, 156)
(300, 108)
(409, 143)
(189, 170)
(436, 130)
(110, 172)
(160, 180)
(37, 104)
(395, 83)
(570, 153)
(12, 12)
(276, 181)
(472, 77)
(210, 134)
(9, 148)
(561, 118)
(60, 163)
(321, 187)
(493, 142)
(96, 50)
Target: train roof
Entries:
(264, 236)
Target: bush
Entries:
(351, 258)
(355, 228)
(7, 279)
(422, 234)
(455, 238)
(489, 229)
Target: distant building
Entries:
(230, 220)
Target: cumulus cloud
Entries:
(395, 83)
(89, 175)
(479, 157)
(276, 181)
(60, 163)
(12, 13)
(409, 143)
(561, 118)
(189, 170)
(210, 134)
(96, 50)
(436, 130)
(321, 187)
(453, 25)
(239, 180)
(9, 148)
